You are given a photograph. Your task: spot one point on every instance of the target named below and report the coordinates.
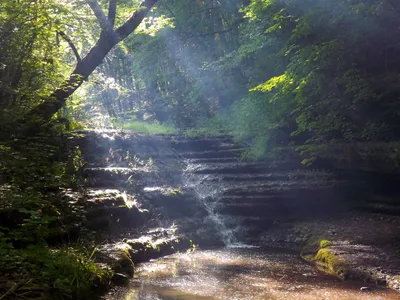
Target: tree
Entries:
(109, 37)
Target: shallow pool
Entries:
(240, 273)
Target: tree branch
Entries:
(71, 44)
(112, 11)
(100, 16)
(134, 21)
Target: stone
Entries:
(117, 256)
(365, 289)
(120, 279)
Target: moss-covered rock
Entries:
(117, 256)
(328, 262)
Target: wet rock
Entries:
(156, 243)
(103, 209)
(114, 176)
(175, 202)
(120, 279)
(117, 256)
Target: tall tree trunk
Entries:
(108, 39)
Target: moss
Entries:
(324, 258)
(328, 262)
(324, 243)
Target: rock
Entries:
(365, 289)
(120, 279)
(117, 256)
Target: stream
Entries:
(239, 273)
(218, 200)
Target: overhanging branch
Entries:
(71, 44)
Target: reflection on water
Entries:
(239, 273)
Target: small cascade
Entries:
(149, 196)
(208, 195)
(235, 201)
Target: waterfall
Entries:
(208, 191)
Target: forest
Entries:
(319, 77)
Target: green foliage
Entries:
(144, 127)
(30, 51)
(320, 79)
(38, 272)
(271, 84)
(269, 72)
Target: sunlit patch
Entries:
(109, 137)
(156, 270)
(152, 189)
(164, 190)
(130, 201)
(121, 169)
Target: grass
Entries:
(145, 127)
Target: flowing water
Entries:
(239, 273)
(208, 194)
(240, 199)
(236, 271)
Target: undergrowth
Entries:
(39, 272)
(36, 263)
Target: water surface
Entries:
(239, 273)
